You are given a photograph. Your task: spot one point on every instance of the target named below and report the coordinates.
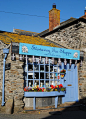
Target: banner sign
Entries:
(46, 51)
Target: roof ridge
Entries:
(83, 16)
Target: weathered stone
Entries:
(18, 109)
(81, 78)
(9, 106)
(85, 86)
(11, 78)
(18, 67)
(0, 93)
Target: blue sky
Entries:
(8, 21)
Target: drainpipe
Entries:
(5, 51)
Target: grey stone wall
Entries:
(74, 37)
(82, 78)
(14, 81)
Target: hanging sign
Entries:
(46, 51)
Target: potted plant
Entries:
(49, 89)
(44, 92)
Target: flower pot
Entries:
(44, 94)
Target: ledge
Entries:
(43, 94)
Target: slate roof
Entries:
(8, 37)
(67, 21)
(23, 32)
(43, 32)
(29, 33)
(62, 23)
(66, 24)
(84, 17)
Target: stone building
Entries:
(70, 34)
(14, 74)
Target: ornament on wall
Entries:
(13, 57)
(70, 62)
(65, 62)
(75, 55)
(37, 60)
(62, 73)
(25, 57)
(59, 61)
(52, 60)
(46, 60)
(21, 57)
(24, 49)
(75, 62)
(33, 58)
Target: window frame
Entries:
(40, 72)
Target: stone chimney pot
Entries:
(54, 17)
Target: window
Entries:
(38, 73)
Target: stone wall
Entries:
(82, 78)
(74, 37)
(14, 81)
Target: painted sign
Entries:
(46, 51)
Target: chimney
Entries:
(54, 17)
(85, 11)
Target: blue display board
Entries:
(46, 51)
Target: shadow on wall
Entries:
(75, 111)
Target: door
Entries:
(70, 81)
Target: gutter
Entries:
(5, 51)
